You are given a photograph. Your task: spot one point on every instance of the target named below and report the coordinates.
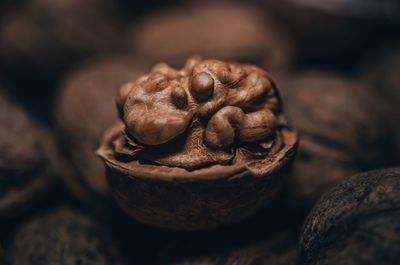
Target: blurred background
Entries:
(336, 63)
(42, 40)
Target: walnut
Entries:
(356, 222)
(84, 109)
(29, 161)
(63, 236)
(240, 102)
(195, 130)
(344, 130)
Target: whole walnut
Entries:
(343, 128)
(224, 32)
(49, 33)
(29, 161)
(63, 236)
(356, 222)
(84, 109)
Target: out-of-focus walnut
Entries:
(85, 108)
(225, 32)
(343, 127)
(28, 161)
(63, 236)
(356, 222)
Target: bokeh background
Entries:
(336, 63)
(42, 40)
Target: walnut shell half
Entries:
(205, 161)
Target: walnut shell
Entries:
(86, 108)
(28, 161)
(357, 222)
(225, 32)
(64, 236)
(178, 167)
(344, 130)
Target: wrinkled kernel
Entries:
(233, 101)
(202, 86)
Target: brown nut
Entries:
(84, 109)
(344, 130)
(29, 161)
(356, 222)
(179, 154)
(63, 236)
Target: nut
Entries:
(170, 163)
(66, 236)
(84, 109)
(154, 113)
(357, 222)
(28, 161)
(344, 130)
